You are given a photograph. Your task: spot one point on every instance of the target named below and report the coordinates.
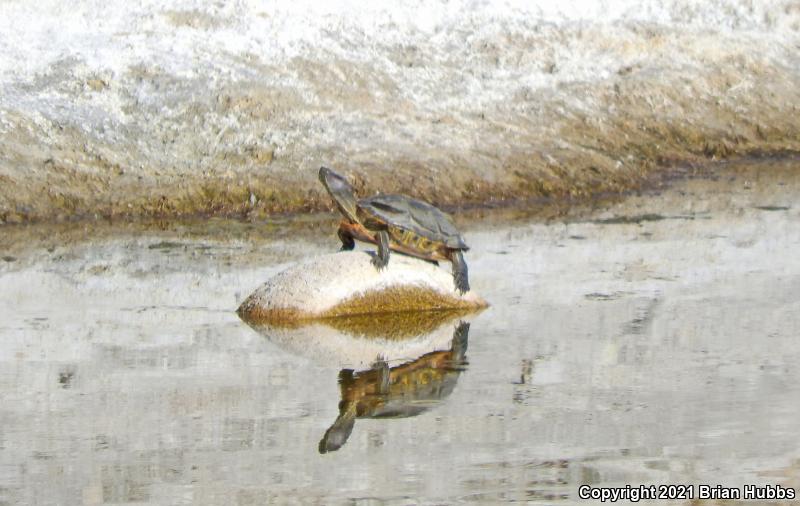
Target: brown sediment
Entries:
(390, 326)
(399, 299)
(397, 325)
(396, 312)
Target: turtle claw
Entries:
(462, 285)
(380, 263)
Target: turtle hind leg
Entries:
(382, 258)
(460, 272)
(347, 240)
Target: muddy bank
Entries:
(283, 237)
(189, 109)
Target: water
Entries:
(652, 340)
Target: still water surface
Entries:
(651, 341)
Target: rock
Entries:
(357, 342)
(347, 283)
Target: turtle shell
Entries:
(419, 217)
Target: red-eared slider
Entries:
(397, 222)
(397, 392)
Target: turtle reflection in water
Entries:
(397, 392)
(399, 223)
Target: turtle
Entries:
(402, 391)
(399, 223)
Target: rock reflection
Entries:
(392, 365)
(354, 342)
(396, 392)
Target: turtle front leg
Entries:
(382, 258)
(347, 239)
(460, 272)
(384, 375)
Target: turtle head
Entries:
(342, 192)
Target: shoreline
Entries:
(319, 202)
(253, 232)
(549, 203)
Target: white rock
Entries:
(321, 286)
